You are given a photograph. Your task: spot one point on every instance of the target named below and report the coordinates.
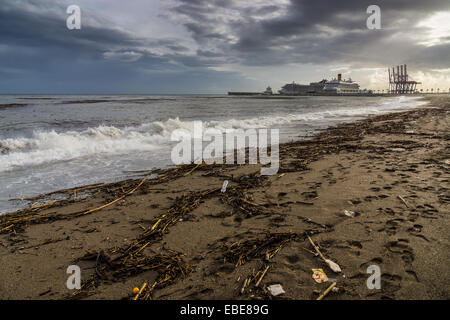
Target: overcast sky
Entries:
(213, 46)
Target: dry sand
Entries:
(224, 239)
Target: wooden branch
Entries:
(118, 199)
(140, 291)
(326, 291)
(262, 276)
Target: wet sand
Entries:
(185, 239)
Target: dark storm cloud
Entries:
(347, 15)
(319, 31)
(39, 54)
(38, 27)
(39, 30)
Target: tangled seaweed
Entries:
(169, 267)
(257, 248)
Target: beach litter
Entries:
(403, 200)
(224, 186)
(319, 276)
(349, 213)
(275, 289)
(333, 265)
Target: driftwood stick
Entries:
(192, 170)
(262, 276)
(404, 201)
(317, 249)
(140, 291)
(326, 291)
(118, 199)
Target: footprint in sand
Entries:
(413, 275)
(416, 228)
(401, 247)
(390, 282)
(292, 259)
(370, 198)
(309, 195)
(416, 231)
(391, 226)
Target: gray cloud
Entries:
(39, 54)
(319, 31)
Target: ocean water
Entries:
(49, 143)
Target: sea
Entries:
(54, 142)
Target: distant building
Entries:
(268, 91)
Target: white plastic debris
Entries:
(275, 289)
(333, 265)
(224, 186)
(349, 213)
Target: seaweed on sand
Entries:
(132, 260)
(168, 267)
(261, 249)
(16, 221)
(240, 200)
(181, 207)
(257, 248)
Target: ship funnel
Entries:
(339, 77)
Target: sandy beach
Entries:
(373, 192)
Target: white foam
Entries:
(51, 146)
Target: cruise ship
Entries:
(298, 89)
(324, 87)
(340, 86)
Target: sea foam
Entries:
(52, 146)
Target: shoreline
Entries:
(183, 222)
